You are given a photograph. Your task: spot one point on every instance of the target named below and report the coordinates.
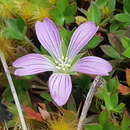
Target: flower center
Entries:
(63, 64)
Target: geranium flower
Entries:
(62, 65)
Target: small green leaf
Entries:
(114, 99)
(122, 17)
(110, 126)
(46, 96)
(62, 4)
(94, 42)
(127, 52)
(114, 26)
(61, 14)
(111, 52)
(126, 4)
(125, 124)
(103, 117)
(125, 42)
(15, 29)
(112, 85)
(111, 5)
(94, 13)
(101, 3)
(93, 127)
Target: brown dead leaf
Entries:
(128, 76)
(124, 90)
(45, 114)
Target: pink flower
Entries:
(60, 84)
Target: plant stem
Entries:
(96, 83)
(2, 57)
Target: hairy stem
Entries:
(96, 83)
(5, 66)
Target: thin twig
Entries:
(96, 83)
(24, 127)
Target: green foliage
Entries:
(93, 127)
(46, 96)
(110, 51)
(94, 42)
(15, 29)
(94, 13)
(110, 96)
(126, 44)
(61, 14)
(122, 17)
(125, 124)
(126, 6)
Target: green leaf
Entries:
(125, 124)
(101, 3)
(127, 52)
(114, 99)
(62, 4)
(122, 17)
(126, 4)
(111, 52)
(94, 13)
(46, 96)
(57, 16)
(15, 29)
(61, 14)
(125, 42)
(114, 26)
(94, 42)
(103, 117)
(93, 127)
(111, 5)
(112, 85)
(110, 126)
(119, 108)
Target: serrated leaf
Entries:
(94, 13)
(111, 52)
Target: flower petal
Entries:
(60, 86)
(93, 65)
(81, 37)
(32, 64)
(49, 36)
